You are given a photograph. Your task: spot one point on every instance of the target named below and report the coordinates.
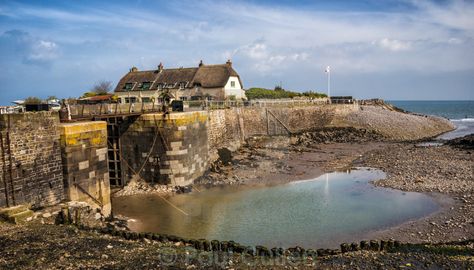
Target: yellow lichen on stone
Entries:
(82, 127)
(177, 118)
(77, 133)
(99, 140)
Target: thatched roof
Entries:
(207, 76)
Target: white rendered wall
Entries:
(236, 91)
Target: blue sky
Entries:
(407, 49)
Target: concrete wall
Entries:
(85, 163)
(30, 159)
(171, 149)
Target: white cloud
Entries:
(394, 45)
(42, 50)
(263, 58)
(29, 49)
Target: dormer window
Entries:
(128, 86)
(182, 85)
(159, 86)
(146, 85)
(232, 83)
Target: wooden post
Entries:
(268, 122)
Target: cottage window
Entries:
(232, 83)
(130, 100)
(160, 86)
(146, 99)
(146, 85)
(128, 86)
(182, 85)
(183, 98)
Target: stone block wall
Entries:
(230, 127)
(85, 163)
(30, 159)
(224, 130)
(166, 149)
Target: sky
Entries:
(390, 49)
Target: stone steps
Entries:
(16, 214)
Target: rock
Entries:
(345, 247)
(225, 156)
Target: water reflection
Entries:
(321, 212)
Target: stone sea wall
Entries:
(85, 163)
(166, 149)
(30, 159)
(230, 127)
(38, 167)
(44, 162)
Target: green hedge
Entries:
(263, 93)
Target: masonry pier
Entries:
(44, 162)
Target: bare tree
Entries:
(102, 87)
(33, 100)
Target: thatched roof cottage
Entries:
(211, 82)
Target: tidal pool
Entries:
(319, 213)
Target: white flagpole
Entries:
(328, 71)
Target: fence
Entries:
(84, 111)
(212, 105)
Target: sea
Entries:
(459, 112)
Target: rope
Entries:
(149, 153)
(159, 195)
(165, 145)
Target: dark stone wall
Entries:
(171, 149)
(30, 159)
